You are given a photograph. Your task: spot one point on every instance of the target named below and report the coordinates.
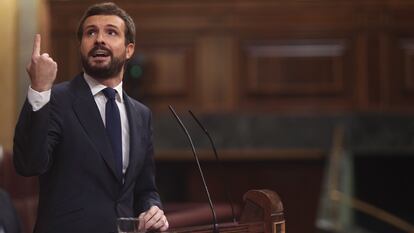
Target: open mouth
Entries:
(100, 53)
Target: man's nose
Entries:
(99, 39)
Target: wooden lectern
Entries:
(262, 213)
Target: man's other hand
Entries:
(153, 219)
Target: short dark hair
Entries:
(109, 8)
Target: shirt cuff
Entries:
(38, 99)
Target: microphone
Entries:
(215, 225)
(221, 167)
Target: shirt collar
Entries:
(97, 87)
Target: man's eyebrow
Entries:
(107, 26)
(90, 26)
(112, 26)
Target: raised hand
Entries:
(42, 69)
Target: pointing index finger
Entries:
(36, 45)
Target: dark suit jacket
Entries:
(9, 219)
(65, 144)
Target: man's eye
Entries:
(90, 33)
(112, 33)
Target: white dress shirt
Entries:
(40, 99)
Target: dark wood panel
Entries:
(65, 51)
(396, 66)
(295, 69)
(166, 68)
(408, 64)
(399, 91)
(165, 73)
(272, 56)
(299, 73)
(298, 182)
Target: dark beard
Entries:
(103, 73)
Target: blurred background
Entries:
(310, 98)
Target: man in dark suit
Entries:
(87, 140)
(9, 220)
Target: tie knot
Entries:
(109, 93)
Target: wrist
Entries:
(40, 88)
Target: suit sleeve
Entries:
(36, 134)
(146, 193)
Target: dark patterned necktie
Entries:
(113, 126)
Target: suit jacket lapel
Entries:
(89, 117)
(135, 140)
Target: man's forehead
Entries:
(104, 20)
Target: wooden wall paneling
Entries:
(293, 16)
(374, 66)
(215, 73)
(167, 68)
(383, 67)
(362, 72)
(65, 46)
(66, 54)
(369, 22)
(408, 64)
(278, 71)
(218, 70)
(397, 45)
(295, 69)
(400, 80)
(167, 72)
(372, 32)
(59, 54)
(295, 73)
(73, 62)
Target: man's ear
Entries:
(130, 50)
